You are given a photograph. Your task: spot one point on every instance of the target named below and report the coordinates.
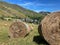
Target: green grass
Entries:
(32, 39)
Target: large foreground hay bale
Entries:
(49, 28)
(19, 29)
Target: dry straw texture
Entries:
(18, 29)
(49, 28)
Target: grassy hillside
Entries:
(8, 11)
(12, 10)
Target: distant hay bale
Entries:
(18, 29)
(49, 28)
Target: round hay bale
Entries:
(49, 28)
(18, 29)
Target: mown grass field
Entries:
(32, 39)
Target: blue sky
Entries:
(38, 5)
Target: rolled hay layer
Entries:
(49, 28)
(19, 29)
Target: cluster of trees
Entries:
(29, 19)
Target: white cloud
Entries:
(26, 4)
(39, 10)
(35, 4)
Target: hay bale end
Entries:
(49, 28)
(18, 29)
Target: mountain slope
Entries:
(44, 12)
(12, 10)
(8, 11)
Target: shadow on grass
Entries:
(39, 40)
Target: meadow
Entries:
(32, 39)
